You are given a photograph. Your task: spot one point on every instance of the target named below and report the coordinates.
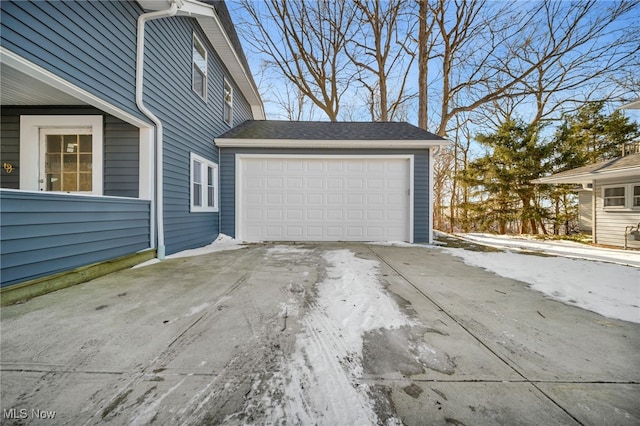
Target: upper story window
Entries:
(622, 196)
(199, 68)
(204, 185)
(228, 103)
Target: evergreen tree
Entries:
(589, 136)
(514, 158)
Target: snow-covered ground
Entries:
(556, 247)
(576, 274)
(223, 242)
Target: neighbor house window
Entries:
(228, 103)
(204, 185)
(61, 153)
(614, 196)
(621, 196)
(199, 68)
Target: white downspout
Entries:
(142, 19)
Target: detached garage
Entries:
(326, 181)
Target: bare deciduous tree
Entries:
(305, 42)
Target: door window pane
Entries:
(68, 163)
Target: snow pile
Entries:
(222, 243)
(608, 289)
(559, 247)
(321, 379)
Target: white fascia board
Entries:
(314, 143)
(27, 67)
(632, 105)
(206, 16)
(210, 23)
(588, 177)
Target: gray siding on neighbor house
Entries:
(421, 214)
(121, 148)
(93, 45)
(44, 233)
(610, 224)
(585, 211)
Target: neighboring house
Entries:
(110, 111)
(609, 199)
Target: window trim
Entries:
(30, 126)
(194, 65)
(225, 103)
(628, 197)
(204, 192)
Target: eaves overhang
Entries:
(214, 30)
(632, 105)
(583, 178)
(330, 143)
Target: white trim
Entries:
(205, 165)
(205, 82)
(30, 126)
(214, 30)
(432, 154)
(332, 143)
(224, 102)
(238, 179)
(628, 197)
(590, 176)
(13, 60)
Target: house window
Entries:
(199, 68)
(228, 103)
(66, 160)
(61, 153)
(204, 185)
(614, 196)
(621, 197)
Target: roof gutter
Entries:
(158, 205)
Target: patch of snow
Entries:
(286, 250)
(608, 289)
(321, 379)
(222, 243)
(556, 247)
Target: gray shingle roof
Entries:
(327, 130)
(629, 162)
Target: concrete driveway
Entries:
(314, 334)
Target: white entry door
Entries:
(323, 198)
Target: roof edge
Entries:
(588, 177)
(328, 143)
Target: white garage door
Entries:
(288, 198)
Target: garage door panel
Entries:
(343, 198)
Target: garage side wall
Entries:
(421, 214)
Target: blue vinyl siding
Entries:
(121, 148)
(46, 233)
(93, 45)
(421, 214)
(90, 44)
(190, 124)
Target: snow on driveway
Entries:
(612, 290)
(319, 384)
